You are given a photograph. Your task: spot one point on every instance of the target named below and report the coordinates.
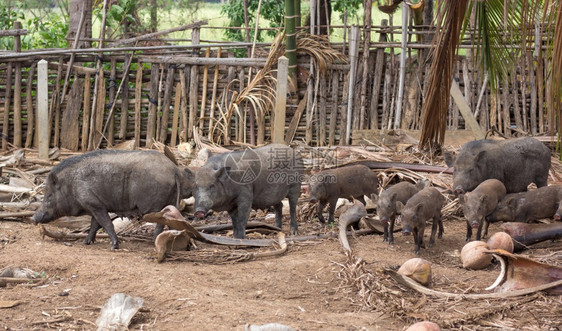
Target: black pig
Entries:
(515, 162)
(254, 178)
(346, 182)
(424, 205)
(128, 183)
(528, 206)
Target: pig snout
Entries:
(200, 214)
(474, 224)
(39, 217)
(313, 200)
(406, 231)
(459, 191)
(557, 217)
(385, 220)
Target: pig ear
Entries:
(418, 208)
(393, 197)
(511, 202)
(52, 179)
(450, 158)
(399, 207)
(222, 173)
(421, 184)
(374, 197)
(483, 198)
(189, 174)
(479, 157)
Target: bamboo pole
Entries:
(280, 100)
(138, 99)
(353, 52)
(7, 104)
(86, 113)
(204, 93)
(403, 50)
(152, 105)
(164, 123)
(184, 77)
(43, 109)
(29, 106)
(17, 91)
(214, 97)
(176, 114)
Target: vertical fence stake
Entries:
(43, 109)
(280, 100)
(354, 38)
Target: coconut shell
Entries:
(417, 269)
(424, 326)
(474, 256)
(501, 240)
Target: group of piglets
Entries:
(491, 179)
(415, 202)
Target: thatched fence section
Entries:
(163, 93)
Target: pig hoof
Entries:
(390, 242)
(384, 240)
(115, 247)
(417, 252)
(87, 241)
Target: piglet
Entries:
(346, 182)
(528, 206)
(424, 205)
(386, 204)
(480, 203)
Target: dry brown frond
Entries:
(319, 48)
(436, 104)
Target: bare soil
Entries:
(306, 288)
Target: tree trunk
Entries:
(75, 9)
(153, 15)
(325, 13)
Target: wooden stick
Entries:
(7, 103)
(152, 104)
(29, 107)
(73, 55)
(86, 113)
(334, 110)
(110, 133)
(17, 106)
(138, 97)
(196, 24)
(164, 121)
(175, 117)
(214, 97)
(204, 93)
(124, 102)
(184, 75)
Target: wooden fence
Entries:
(164, 93)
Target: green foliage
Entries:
(352, 7)
(46, 33)
(272, 10)
(7, 19)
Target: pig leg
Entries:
(418, 240)
(94, 227)
(485, 227)
(294, 193)
(102, 217)
(434, 231)
(321, 205)
(278, 214)
(242, 213)
(389, 230)
(479, 232)
(441, 230)
(468, 231)
(331, 210)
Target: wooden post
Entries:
(280, 101)
(138, 100)
(86, 114)
(193, 85)
(152, 105)
(367, 5)
(204, 93)
(7, 101)
(354, 38)
(29, 106)
(43, 109)
(169, 87)
(405, 15)
(17, 91)
(176, 114)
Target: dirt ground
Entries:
(303, 288)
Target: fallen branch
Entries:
(407, 281)
(64, 235)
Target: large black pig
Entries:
(515, 162)
(128, 183)
(254, 178)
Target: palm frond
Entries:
(434, 110)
